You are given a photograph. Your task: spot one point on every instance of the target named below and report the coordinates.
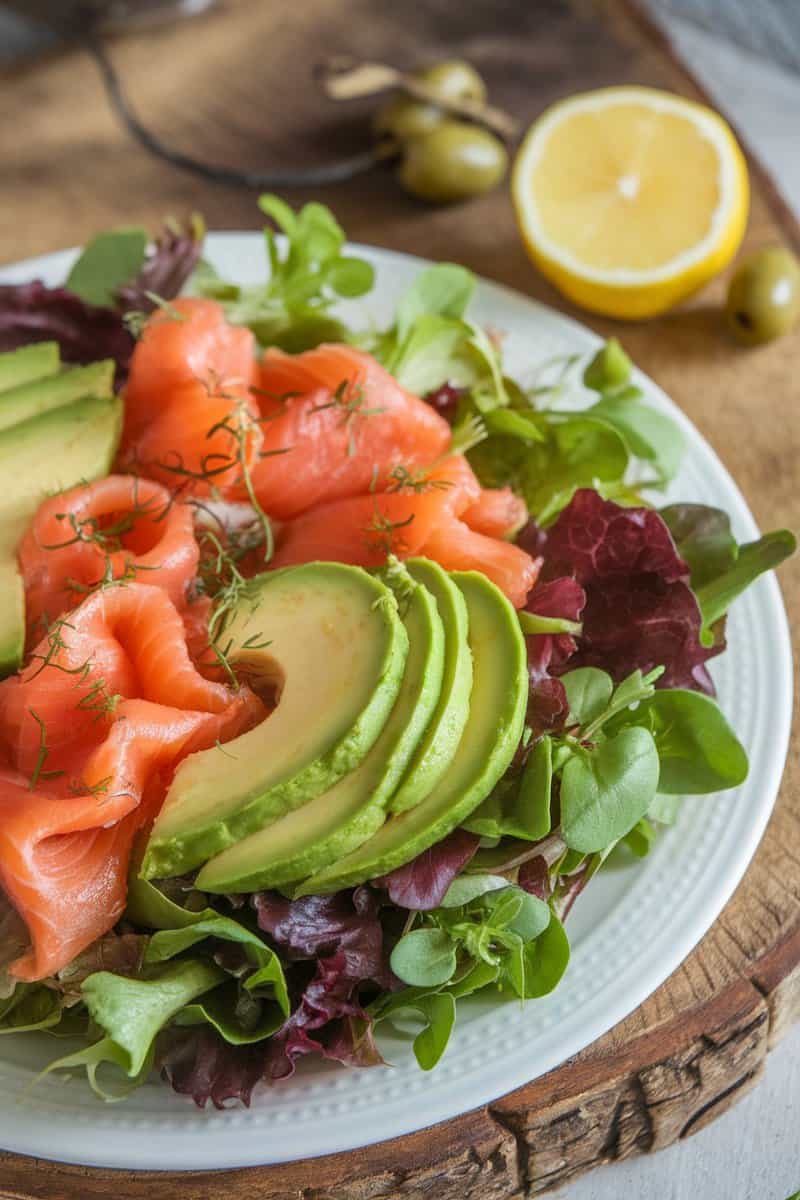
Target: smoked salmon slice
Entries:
(190, 418)
(364, 530)
(456, 547)
(64, 859)
(124, 642)
(186, 343)
(334, 424)
(498, 513)
(118, 527)
(107, 705)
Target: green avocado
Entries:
(45, 454)
(330, 638)
(435, 751)
(344, 816)
(28, 363)
(491, 735)
(40, 395)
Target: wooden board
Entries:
(235, 85)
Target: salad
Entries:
(336, 662)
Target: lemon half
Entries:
(629, 199)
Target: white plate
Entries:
(638, 926)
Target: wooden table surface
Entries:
(235, 86)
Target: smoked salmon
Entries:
(498, 512)
(108, 703)
(191, 420)
(334, 423)
(118, 527)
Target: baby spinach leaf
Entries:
(424, 957)
(546, 960)
(519, 806)
(578, 452)
(698, 750)
(648, 434)
(530, 917)
(436, 1010)
(439, 1012)
(703, 538)
(589, 692)
(632, 690)
(716, 595)
(604, 792)
(465, 888)
(106, 263)
(478, 976)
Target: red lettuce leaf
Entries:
(197, 1062)
(328, 1006)
(314, 926)
(422, 883)
(595, 539)
(534, 877)
(640, 611)
(31, 312)
(547, 700)
(167, 267)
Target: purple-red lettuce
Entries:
(640, 610)
(32, 312)
(547, 700)
(421, 884)
(166, 268)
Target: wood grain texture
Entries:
(235, 86)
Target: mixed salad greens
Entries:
(222, 992)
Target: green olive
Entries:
(453, 80)
(452, 162)
(404, 118)
(764, 296)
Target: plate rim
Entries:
(717, 894)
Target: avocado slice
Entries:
(491, 735)
(344, 816)
(330, 636)
(49, 452)
(435, 751)
(40, 395)
(28, 363)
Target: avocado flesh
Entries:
(28, 363)
(440, 741)
(41, 395)
(491, 735)
(344, 816)
(45, 454)
(337, 645)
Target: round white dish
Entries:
(638, 926)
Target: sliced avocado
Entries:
(491, 735)
(331, 638)
(28, 363)
(435, 751)
(40, 456)
(344, 816)
(39, 396)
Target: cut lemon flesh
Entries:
(629, 199)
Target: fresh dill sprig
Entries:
(42, 754)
